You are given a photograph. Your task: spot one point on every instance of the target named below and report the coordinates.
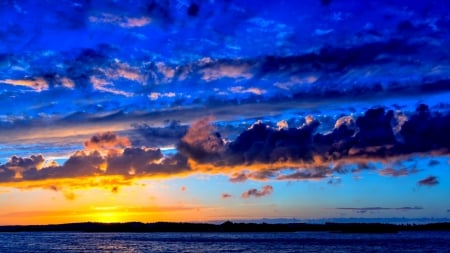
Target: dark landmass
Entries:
(228, 227)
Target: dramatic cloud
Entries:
(160, 136)
(80, 164)
(106, 141)
(106, 154)
(369, 138)
(132, 161)
(429, 181)
(265, 190)
(261, 143)
(262, 152)
(17, 166)
(201, 141)
(121, 94)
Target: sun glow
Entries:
(108, 215)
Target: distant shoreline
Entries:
(228, 227)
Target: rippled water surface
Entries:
(223, 242)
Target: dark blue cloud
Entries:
(433, 163)
(429, 181)
(160, 136)
(300, 153)
(372, 139)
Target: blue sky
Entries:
(245, 110)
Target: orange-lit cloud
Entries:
(67, 82)
(167, 72)
(105, 86)
(260, 153)
(158, 95)
(37, 84)
(215, 71)
(107, 141)
(201, 141)
(123, 70)
(16, 166)
(106, 155)
(241, 89)
(396, 172)
(122, 21)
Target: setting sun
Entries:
(108, 217)
(106, 214)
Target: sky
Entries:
(214, 110)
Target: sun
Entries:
(107, 215)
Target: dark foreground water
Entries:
(223, 242)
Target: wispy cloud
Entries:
(241, 89)
(37, 84)
(158, 95)
(377, 209)
(429, 181)
(122, 21)
(396, 172)
(226, 195)
(105, 86)
(122, 70)
(214, 71)
(307, 174)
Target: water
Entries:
(28, 242)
